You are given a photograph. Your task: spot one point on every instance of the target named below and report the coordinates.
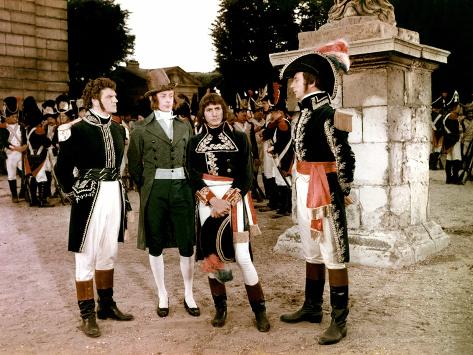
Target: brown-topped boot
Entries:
(107, 308)
(85, 299)
(311, 310)
(219, 295)
(257, 302)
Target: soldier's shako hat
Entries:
(11, 106)
(324, 63)
(31, 112)
(158, 81)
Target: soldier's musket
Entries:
(64, 198)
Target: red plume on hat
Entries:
(337, 52)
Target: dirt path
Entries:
(421, 309)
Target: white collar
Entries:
(99, 115)
(161, 115)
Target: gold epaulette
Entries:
(342, 121)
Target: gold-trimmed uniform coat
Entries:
(316, 139)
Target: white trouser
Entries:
(243, 260)
(455, 153)
(321, 250)
(101, 242)
(242, 252)
(267, 161)
(41, 175)
(13, 162)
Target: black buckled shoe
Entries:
(162, 312)
(194, 312)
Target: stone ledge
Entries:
(354, 29)
(388, 249)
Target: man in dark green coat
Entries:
(156, 161)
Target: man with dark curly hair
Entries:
(94, 146)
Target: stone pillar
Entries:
(388, 91)
(33, 48)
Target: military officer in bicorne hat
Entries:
(324, 168)
(156, 162)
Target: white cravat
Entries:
(165, 120)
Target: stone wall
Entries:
(33, 48)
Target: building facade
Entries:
(33, 48)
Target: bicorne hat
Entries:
(324, 63)
(11, 106)
(158, 81)
(62, 103)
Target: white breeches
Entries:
(242, 252)
(267, 161)
(321, 250)
(41, 176)
(455, 153)
(101, 242)
(13, 162)
(243, 260)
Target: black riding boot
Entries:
(456, 167)
(13, 190)
(48, 184)
(107, 308)
(33, 191)
(86, 302)
(311, 310)
(285, 204)
(42, 193)
(257, 303)
(219, 295)
(448, 172)
(22, 193)
(339, 302)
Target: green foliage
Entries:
(247, 31)
(98, 40)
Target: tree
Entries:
(98, 40)
(447, 25)
(247, 31)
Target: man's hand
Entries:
(220, 207)
(348, 200)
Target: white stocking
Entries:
(187, 270)
(157, 267)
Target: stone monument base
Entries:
(389, 249)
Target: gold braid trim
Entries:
(204, 195)
(233, 196)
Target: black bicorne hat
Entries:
(324, 63)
